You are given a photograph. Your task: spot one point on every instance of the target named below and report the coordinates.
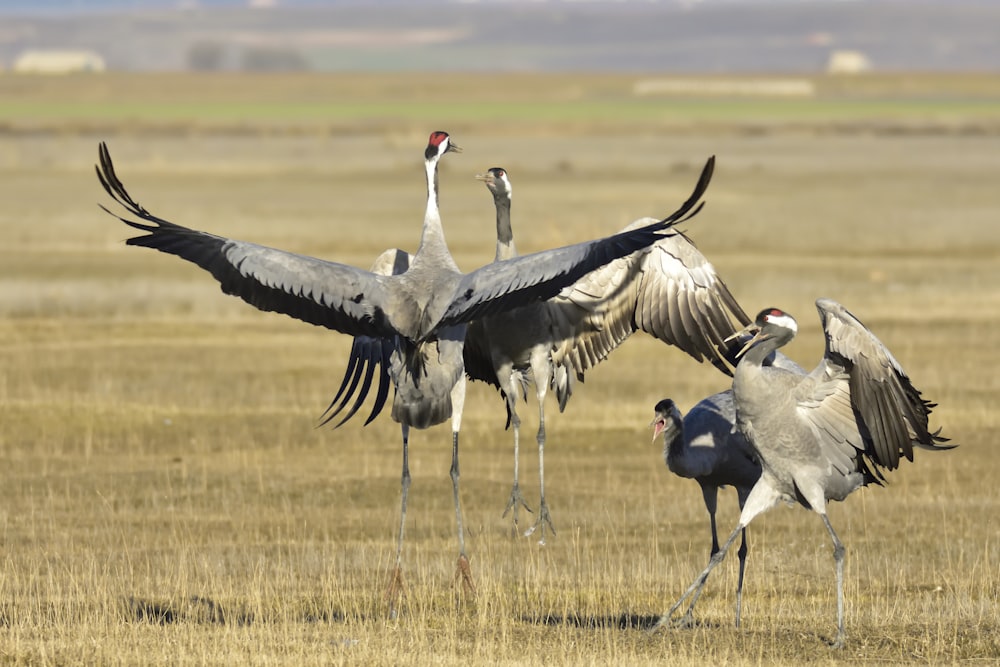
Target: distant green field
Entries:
(202, 100)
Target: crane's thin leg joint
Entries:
(544, 518)
(742, 553)
(838, 557)
(463, 572)
(516, 500)
(397, 587)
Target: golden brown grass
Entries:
(165, 498)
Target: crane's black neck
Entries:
(505, 234)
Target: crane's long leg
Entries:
(463, 571)
(516, 499)
(838, 557)
(397, 586)
(541, 387)
(742, 553)
(710, 493)
(694, 590)
(762, 497)
(743, 494)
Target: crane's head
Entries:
(770, 323)
(496, 180)
(667, 420)
(438, 144)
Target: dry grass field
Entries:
(166, 499)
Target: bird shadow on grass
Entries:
(622, 621)
(199, 609)
(644, 622)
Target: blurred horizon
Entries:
(672, 36)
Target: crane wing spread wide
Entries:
(327, 294)
(501, 286)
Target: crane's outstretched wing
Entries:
(369, 355)
(877, 409)
(669, 290)
(500, 286)
(327, 294)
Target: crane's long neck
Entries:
(505, 235)
(673, 437)
(751, 370)
(432, 241)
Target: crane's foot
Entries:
(463, 576)
(396, 591)
(685, 622)
(514, 503)
(544, 519)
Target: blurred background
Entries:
(801, 36)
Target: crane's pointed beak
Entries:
(748, 329)
(453, 147)
(486, 178)
(759, 336)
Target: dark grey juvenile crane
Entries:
(819, 436)
(422, 313)
(668, 290)
(704, 446)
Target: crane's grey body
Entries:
(418, 316)
(821, 435)
(668, 289)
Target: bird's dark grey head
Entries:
(438, 144)
(667, 418)
(497, 181)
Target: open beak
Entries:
(453, 147)
(658, 424)
(486, 178)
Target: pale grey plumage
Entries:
(419, 315)
(820, 436)
(549, 342)
(668, 290)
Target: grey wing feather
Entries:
(669, 290)
(539, 276)
(891, 415)
(328, 294)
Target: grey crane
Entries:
(668, 290)
(423, 312)
(704, 446)
(822, 435)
